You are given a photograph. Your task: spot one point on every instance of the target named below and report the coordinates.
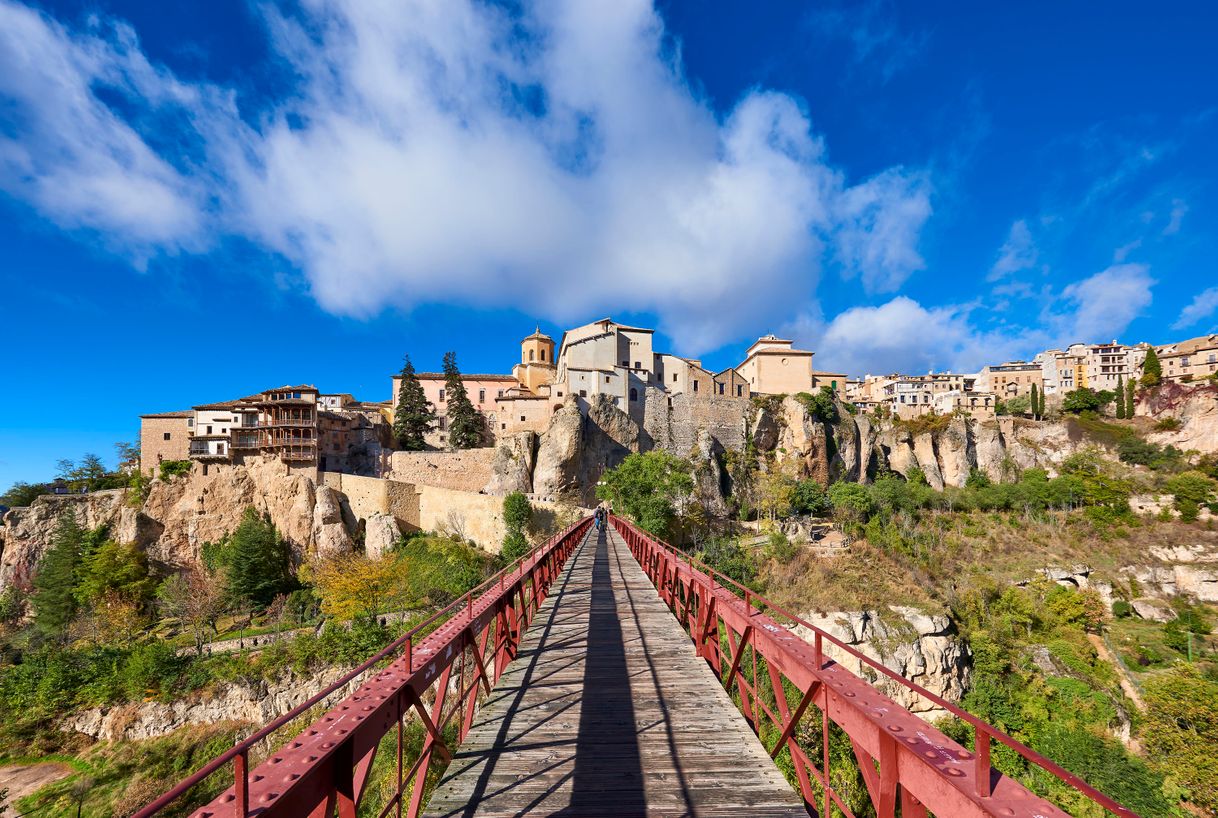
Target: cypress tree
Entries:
(1035, 402)
(1152, 369)
(1130, 389)
(1041, 410)
(54, 598)
(1120, 399)
(414, 414)
(465, 425)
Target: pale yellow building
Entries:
(1190, 360)
(537, 367)
(835, 381)
(773, 367)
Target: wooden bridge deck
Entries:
(606, 711)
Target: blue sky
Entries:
(201, 200)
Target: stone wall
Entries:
(673, 422)
(465, 470)
(367, 496)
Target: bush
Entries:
(1122, 609)
(780, 549)
(1180, 729)
(821, 407)
(1082, 400)
(811, 498)
(1191, 490)
(1167, 425)
(172, 468)
(851, 501)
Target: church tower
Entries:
(536, 367)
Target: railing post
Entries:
(241, 784)
(410, 654)
(981, 746)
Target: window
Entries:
(220, 448)
(560, 394)
(522, 418)
(502, 425)
(543, 355)
(444, 424)
(607, 379)
(695, 386)
(739, 391)
(481, 396)
(190, 422)
(721, 387)
(625, 363)
(167, 435)
(833, 385)
(443, 438)
(500, 393)
(638, 365)
(441, 396)
(530, 356)
(674, 377)
(583, 393)
(209, 430)
(634, 394)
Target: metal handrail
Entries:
(981, 728)
(242, 748)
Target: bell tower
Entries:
(536, 366)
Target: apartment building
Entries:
(280, 422)
(483, 391)
(1190, 360)
(1093, 366)
(1011, 379)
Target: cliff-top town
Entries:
(314, 431)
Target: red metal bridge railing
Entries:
(919, 768)
(326, 767)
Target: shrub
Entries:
(172, 468)
(1122, 609)
(851, 501)
(1082, 400)
(645, 487)
(821, 407)
(1167, 425)
(811, 498)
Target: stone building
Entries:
(1093, 366)
(483, 392)
(773, 367)
(280, 422)
(1011, 379)
(1190, 360)
(164, 436)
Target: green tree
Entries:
(54, 600)
(118, 570)
(256, 561)
(821, 406)
(414, 415)
(1082, 400)
(22, 494)
(1180, 729)
(1130, 386)
(851, 501)
(1152, 368)
(811, 498)
(1035, 402)
(466, 427)
(646, 487)
(1191, 490)
(517, 514)
(1120, 398)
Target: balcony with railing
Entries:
(200, 450)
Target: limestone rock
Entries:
(928, 460)
(956, 453)
(923, 648)
(512, 470)
(609, 436)
(766, 428)
(989, 449)
(556, 473)
(1153, 610)
(331, 525)
(27, 532)
(381, 533)
(708, 474)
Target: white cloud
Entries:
(904, 336)
(1101, 307)
(1178, 210)
(1018, 252)
(1203, 305)
(432, 154)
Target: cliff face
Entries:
(181, 514)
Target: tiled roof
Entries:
(439, 376)
(169, 415)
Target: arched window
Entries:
(634, 394)
(530, 355)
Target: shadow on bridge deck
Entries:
(606, 711)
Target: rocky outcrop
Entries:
(252, 703)
(381, 533)
(512, 469)
(609, 436)
(709, 479)
(557, 471)
(200, 508)
(1191, 570)
(27, 532)
(923, 648)
(1194, 408)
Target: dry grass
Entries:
(950, 553)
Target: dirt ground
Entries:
(23, 779)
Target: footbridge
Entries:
(607, 673)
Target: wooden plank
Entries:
(607, 710)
